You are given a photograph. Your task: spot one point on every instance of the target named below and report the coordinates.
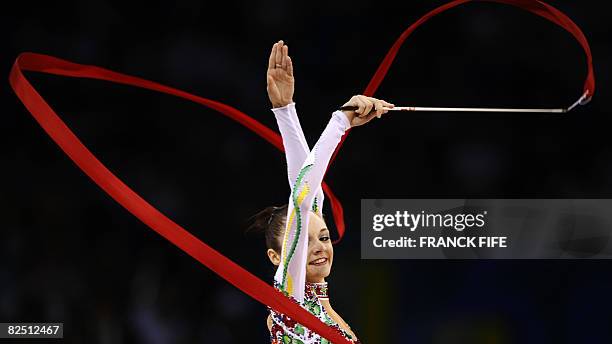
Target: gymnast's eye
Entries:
(325, 238)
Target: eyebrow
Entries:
(323, 229)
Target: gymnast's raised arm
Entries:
(281, 85)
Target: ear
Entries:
(274, 257)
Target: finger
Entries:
(379, 105)
(353, 102)
(361, 105)
(387, 104)
(285, 56)
(371, 116)
(376, 100)
(369, 106)
(278, 58)
(289, 66)
(272, 57)
(371, 100)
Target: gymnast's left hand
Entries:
(280, 79)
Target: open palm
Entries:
(280, 79)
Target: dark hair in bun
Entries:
(270, 222)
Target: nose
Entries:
(317, 247)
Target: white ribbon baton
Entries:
(581, 101)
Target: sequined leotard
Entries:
(305, 171)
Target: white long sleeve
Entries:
(290, 276)
(296, 147)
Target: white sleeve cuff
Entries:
(342, 118)
(284, 108)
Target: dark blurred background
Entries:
(69, 253)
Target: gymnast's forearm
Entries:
(323, 150)
(296, 147)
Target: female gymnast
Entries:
(296, 235)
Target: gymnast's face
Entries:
(320, 250)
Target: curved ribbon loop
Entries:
(131, 201)
(52, 65)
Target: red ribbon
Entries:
(174, 233)
(86, 161)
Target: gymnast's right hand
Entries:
(280, 76)
(367, 108)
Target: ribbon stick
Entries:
(458, 109)
(580, 101)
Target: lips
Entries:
(318, 262)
